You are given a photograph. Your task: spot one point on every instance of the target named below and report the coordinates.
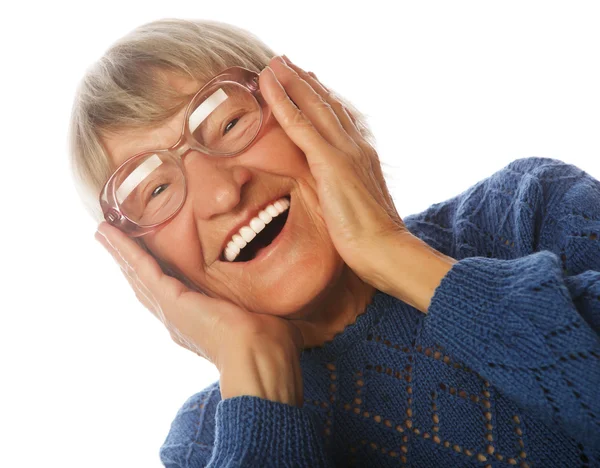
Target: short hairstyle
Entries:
(127, 88)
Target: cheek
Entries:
(177, 245)
(281, 155)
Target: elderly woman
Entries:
(246, 205)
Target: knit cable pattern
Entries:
(504, 370)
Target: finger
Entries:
(347, 111)
(309, 77)
(174, 302)
(296, 125)
(130, 256)
(316, 78)
(340, 110)
(351, 116)
(318, 81)
(344, 115)
(193, 317)
(185, 342)
(319, 112)
(143, 271)
(142, 293)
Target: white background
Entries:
(454, 92)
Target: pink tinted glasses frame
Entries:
(186, 142)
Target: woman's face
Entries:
(290, 275)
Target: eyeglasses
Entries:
(222, 119)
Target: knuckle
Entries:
(135, 257)
(286, 78)
(330, 96)
(337, 106)
(296, 119)
(325, 104)
(304, 75)
(142, 261)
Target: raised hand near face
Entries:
(255, 354)
(356, 205)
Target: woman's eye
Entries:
(229, 126)
(158, 190)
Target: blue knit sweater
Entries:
(503, 370)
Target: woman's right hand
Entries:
(255, 354)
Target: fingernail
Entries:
(280, 59)
(287, 59)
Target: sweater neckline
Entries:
(352, 333)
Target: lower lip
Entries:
(269, 250)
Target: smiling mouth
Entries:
(262, 239)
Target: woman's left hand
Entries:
(358, 210)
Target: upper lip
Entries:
(245, 219)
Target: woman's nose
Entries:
(213, 186)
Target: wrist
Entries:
(271, 374)
(411, 270)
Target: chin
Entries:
(288, 269)
(303, 288)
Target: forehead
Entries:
(121, 145)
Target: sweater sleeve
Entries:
(242, 431)
(530, 325)
(252, 431)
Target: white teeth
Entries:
(256, 225)
(239, 241)
(247, 233)
(231, 251)
(272, 210)
(233, 247)
(280, 206)
(266, 217)
(229, 255)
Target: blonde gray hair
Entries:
(128, 89)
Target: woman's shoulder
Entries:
(505, 214)
(543, 168)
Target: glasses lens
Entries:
(150, 188)
(225, 118)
